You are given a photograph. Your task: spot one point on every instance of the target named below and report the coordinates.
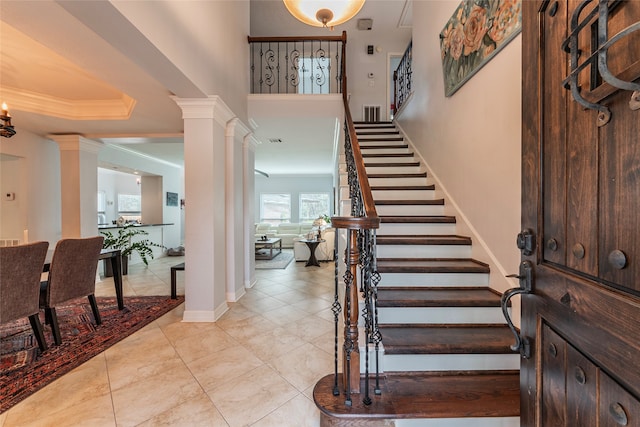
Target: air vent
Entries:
(365, 24)
(276, 140)
(371, 113)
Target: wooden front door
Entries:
(581, 202)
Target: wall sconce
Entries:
(6, 129)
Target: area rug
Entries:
(281, 260)
(24, 370)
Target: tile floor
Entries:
(256, 366)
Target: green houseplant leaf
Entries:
(122, 240)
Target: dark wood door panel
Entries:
(617, 406)
(599, 322)
(553, 71)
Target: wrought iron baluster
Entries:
(336, 309)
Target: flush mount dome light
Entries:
(323, 13)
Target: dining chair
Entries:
(72, 274)
(20, 270)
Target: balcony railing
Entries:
(402, 80)
(302, 65)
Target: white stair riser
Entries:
(423, 251)
(399, 229)
(460, 422)
(392, 150)
(373, 182)
(403, 194)
(440, 315)
(434, 279)
(449, 362)
(410, 209)
(393, 169)
(373, 160)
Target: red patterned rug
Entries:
(24, 370)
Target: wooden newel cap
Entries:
(355, 223)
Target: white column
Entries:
(235, 134)
(248, 194)
(79, 185)
(205, 121)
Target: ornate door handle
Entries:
(525, 276)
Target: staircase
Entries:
(447, 360)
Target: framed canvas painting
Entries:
(475, 33)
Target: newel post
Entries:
(351, 354)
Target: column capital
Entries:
(250, 142)
(211, 107)
(74, 142)
(236, 129)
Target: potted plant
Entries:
(123, 240)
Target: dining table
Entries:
(115, 257)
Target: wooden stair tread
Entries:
(422, 240)
(377, 132)
(427, 395)
(437, 297)
(431, 265)
(413, 202)
(381, 147)
(403, 187)
(446, 339)
(417, 219)
(392, 165)
(380, 122)
(398, 175)
(376, 155)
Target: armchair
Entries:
(20, 270)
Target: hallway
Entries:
(256, 366)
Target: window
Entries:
(313, 205)
(275, 208)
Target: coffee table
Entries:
(268, 244)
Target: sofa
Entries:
(324, 251)
(287, 232)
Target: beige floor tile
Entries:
(247, 328)
(86, 382)
(210, 340)
(273, 344)
(95, 412)
(3, 416)
(248, 398)
(304, 366)
(196, 412)
(299, 411)
(223, 366)
(141, 400)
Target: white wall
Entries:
(12, 212)
(218, 67)
(294, 185)
(470, 141)
(39, 196)
(114, 183)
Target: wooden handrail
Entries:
(363, 180)
(342, 38)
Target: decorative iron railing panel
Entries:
(402, 79)
(302, 65)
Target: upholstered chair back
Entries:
(20, 270)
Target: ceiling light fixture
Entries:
(323, 13)
(6, 129)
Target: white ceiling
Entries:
(59, 76)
